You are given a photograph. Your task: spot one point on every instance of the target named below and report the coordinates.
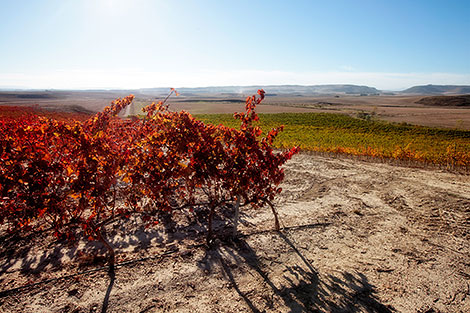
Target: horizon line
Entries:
(23, 88)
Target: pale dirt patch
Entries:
(358, 237)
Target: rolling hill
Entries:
(290, 90)
(438, 89)
(463, 100)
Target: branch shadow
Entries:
(112, 277)
(17, 253)
(35, 253)
(301, 288)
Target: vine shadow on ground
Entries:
(39, 252)
(301, 289)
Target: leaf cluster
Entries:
(69, 175)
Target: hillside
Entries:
(438, 89)
(446, 100)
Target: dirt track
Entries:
(357, 237)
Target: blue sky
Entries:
(143, 43)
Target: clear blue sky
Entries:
(144, 43)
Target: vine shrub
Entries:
(71, 175)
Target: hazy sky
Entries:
(143, 43)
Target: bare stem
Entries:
(209, 224)
(236, 217)
(276, 218)
(111, 254)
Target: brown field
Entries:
(398, 109)
(393, 108)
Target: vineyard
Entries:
(342, 134)
(11, 112)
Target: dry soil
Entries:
(356, 236)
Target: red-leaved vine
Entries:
(70, 175)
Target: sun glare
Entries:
(110, 7)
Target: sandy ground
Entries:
(357, 237)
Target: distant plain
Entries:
(392, 108)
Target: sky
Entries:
(96, 44)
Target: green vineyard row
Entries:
(344, 134)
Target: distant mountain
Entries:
(289, 90)
(237, 91)
(438, 89)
